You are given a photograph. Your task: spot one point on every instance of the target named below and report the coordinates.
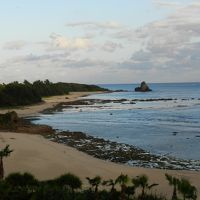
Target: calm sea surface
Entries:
(161, 127)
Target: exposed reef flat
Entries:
(121, 153)
(60, 106)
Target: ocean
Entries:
(165, 121)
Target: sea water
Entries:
(162, 127)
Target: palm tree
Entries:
(69, 180)
(130, 190)
(111, 183)
(173, 181)
(142, 181)
(3, 153)
(186, 189)
(94, 182)
(122, 180)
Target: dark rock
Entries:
(34, 129)
(9, 120)
(143, 88)
(175, 133)
(120, 90)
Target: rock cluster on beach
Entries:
(9, 120)
(143, 88)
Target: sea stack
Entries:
(143, 87)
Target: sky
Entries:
(100, 41)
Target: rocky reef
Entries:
(120, 152)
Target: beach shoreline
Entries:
(46, 160)
(35, 154)
(47, 103)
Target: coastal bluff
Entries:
(143, 87)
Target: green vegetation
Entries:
(3, 153)
(18, 94)
(183, 186)
(122, 180)
(17, 186)
(142, 181)
(68, 187)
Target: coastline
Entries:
(36, 154)
(48, 102)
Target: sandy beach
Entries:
(48, 102)
(46, 159)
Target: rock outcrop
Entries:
(143, 88)
(9, 120)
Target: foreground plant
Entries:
(173, 181)
(122, 180)
(130, 191)
(26, 187)
(187, 190)
(94, 182)
(69, 180)
(183, 186)
(111, 183)
(142, 181)
(3, 153)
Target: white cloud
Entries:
(96, 25)
(56, 67)
(62, 60)
(61, 42)
(156, 52)
(168, 4)
(14, 45)
(168, 43)
(110, 46)
(35, 59)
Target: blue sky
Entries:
(22, 17)
(93, 41)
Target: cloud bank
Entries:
(155, 52)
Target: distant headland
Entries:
(26, 93)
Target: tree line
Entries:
(69, 187)
(18, 94)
